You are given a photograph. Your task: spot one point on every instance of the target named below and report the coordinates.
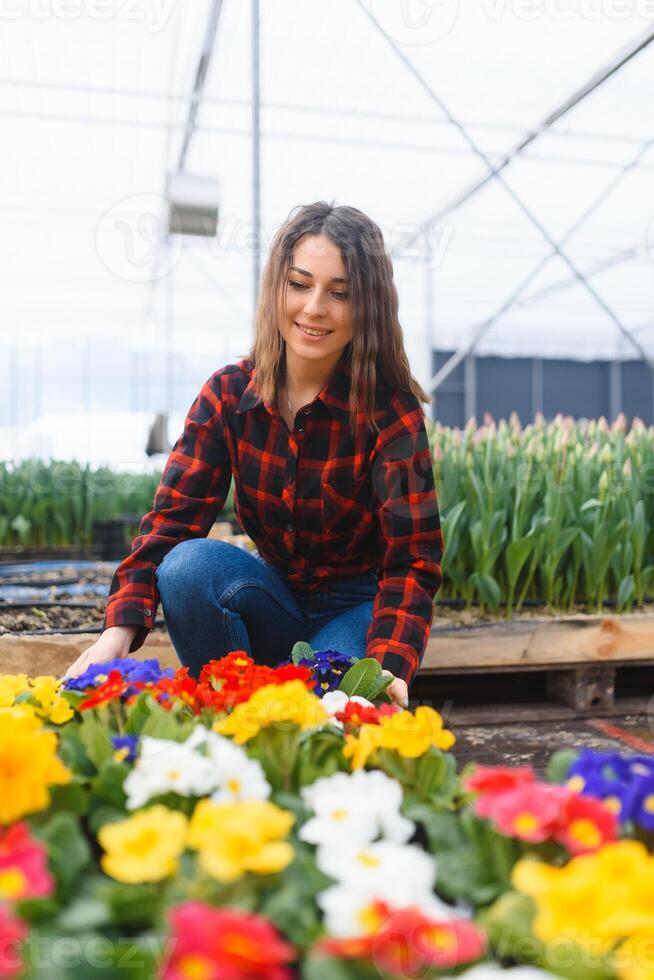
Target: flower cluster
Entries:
(233, 680)
(265, 823)
(42, 694)
(625, 784)
(328, 667)
(205, 764)
(230, 838)
(597, 900)
(137, 675)
(285, 704)
(224, 944)
(520, 806)
(404, 732)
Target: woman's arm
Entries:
(191, 493)
(407, 510)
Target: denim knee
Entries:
(199, 565)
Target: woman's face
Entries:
(317, 297)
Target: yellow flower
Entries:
(45, 691)
(28, 763)
(409, 734)
(634, 959)
(144, 847)
(11, 686)
(274, 704)
(602, 897)
(233, 838)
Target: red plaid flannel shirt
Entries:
(316, 502)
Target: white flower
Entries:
(349, 913)
(164, 766)
(243, 780)
(237, 777)
(356, 807)
(399, 874)
(335, 701)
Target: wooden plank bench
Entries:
(575, 666)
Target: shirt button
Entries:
(289, 527)
(300, 428)
(147, 612)
(307, 411)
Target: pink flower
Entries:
(12, 933)
(489, 781)
(530, 812)
(23, 865)
(224, 944)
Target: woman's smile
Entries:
(313, 333)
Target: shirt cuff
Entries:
(400, 659)
(137, 612)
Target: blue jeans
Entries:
(217, 598)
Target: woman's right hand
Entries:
(113, 643)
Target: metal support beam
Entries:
(469, 387)
(495, 172)
(615, 389)
(200, 79)
(256, 157)
(537, 393)
(482, 328)
(594, 82)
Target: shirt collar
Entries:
(335, 394)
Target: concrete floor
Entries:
(524, 743)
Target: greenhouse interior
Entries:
(326, 484)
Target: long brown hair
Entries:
(377, 346)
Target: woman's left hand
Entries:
(397, 690)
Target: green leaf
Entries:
(627, 591)
(95, 738)
(68, 850)
(362, 678)
(301, 651)
(559, 764)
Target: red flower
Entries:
(585, 824)
(497, 779)
(113, 688)
(409, 943)
(224, 944)
(233, 679)
(168, 690)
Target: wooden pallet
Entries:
(573, 667)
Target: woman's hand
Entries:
(397, 690)
(113, 643)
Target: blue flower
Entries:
(623, 782)
(143, 671)
(125, 746)
(639, 802)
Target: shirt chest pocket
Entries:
(347, 505)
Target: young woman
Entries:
(323, 431)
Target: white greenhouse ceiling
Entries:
(399, 118)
